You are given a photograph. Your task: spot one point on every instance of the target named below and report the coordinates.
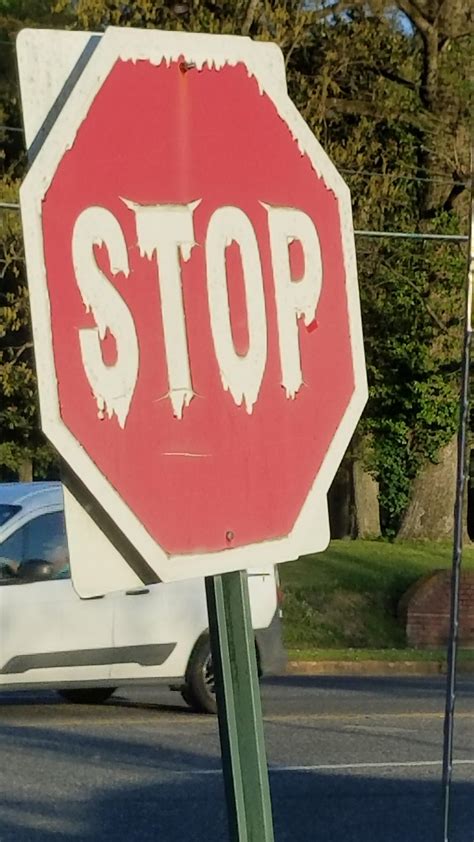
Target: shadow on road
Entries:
(408, 685)
(95, 787)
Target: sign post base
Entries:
(239, 708)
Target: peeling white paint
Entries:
(294, 299)
(113, 385)
(198, 58)
(241, 375)
(165, 232)
(185, 453)
(263, 61)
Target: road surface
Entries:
(351, 759)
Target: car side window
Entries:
(12, 554)
(43, 538)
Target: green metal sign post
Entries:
(239, 708)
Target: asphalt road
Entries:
(353, 759)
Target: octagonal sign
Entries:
(190, 257)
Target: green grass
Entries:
(375, 655)
(347, 597)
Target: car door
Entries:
(156, 628)
(47, 633)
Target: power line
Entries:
(435, 179)
(399, 235)
(438, 179)
(413, 235)
(11, 129)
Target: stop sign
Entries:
(196, 319)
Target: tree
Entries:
(444, 30)
(382, 100)
(22, 446)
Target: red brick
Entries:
(428, 607)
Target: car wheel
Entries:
(199, 691)
(87, 695)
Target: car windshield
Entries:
(7, 511)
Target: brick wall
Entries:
(426, 606)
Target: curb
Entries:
(374, 668)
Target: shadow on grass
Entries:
(370, 566)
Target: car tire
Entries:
(199, 690)
(87, 695)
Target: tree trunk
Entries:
(340, 502)
(430, 513)
(366, 502)
(353, 502)
(25, 471)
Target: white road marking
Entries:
(369, 765)
(338, 766)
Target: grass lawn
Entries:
(393, 655)
(346, 598)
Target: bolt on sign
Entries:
(191, 262)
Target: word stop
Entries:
(165, 234)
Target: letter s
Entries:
(113, 385)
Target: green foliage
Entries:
(405, 655)
(21, 441)
(20, 438)
(340, 619)
(349, 594)
(412, 306)
(361, 85)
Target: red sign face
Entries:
(200, 306)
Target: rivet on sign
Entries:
(184, 66)
(229, 535)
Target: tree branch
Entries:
(21, 350)
(249, 16)
(440, 10)
(415, 14)
(420, 297)
(400, 80)
(455, 191)
(362, 108)
(298, 30)
(334, 9)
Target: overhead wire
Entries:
(4, 128)
(399, 235)
(433, 179)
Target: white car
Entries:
(85, 648)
